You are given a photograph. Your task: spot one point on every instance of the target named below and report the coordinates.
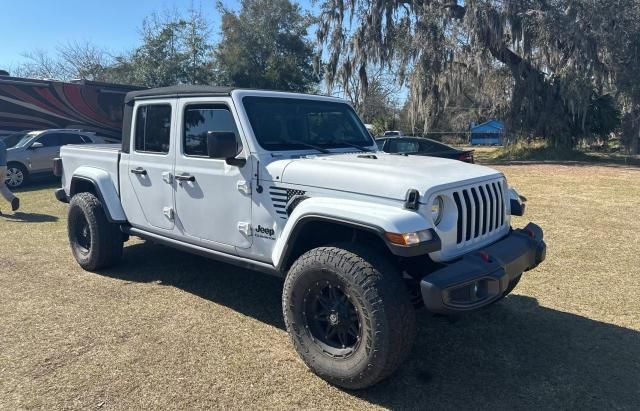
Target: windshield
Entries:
(298, 124)
(26, 138)
(12, 139)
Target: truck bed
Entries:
(104, 157)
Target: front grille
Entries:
(480, 210)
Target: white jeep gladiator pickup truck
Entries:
(293, 185)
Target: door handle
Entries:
(183, 177)
(139, 171)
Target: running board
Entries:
(204, 252)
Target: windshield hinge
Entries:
(412, 200)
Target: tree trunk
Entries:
(636, 141)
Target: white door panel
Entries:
(210, 207)
(150, 165)
(153, 193)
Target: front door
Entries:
(213, 198)
(150, 166)
(41, 159)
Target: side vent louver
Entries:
(285, 200)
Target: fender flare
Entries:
(375, 218)
(104, 190)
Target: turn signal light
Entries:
(409, 239)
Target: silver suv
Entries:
(33, 155)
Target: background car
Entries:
(392, 133)
(32, 155)
(11, 139)
(423, 147)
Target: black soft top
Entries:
(178, 91)
(163, 92)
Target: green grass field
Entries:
(537, 153)
(170, 330)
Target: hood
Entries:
(383, 175)
(14, 150)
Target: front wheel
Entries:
(512, 285)
(95, 242)
(17, 176)
(349, 315)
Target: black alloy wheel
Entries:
(332, 319)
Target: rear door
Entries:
(150, 165)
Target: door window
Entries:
(199, 120)
(433, 147)
(71, 139)
(50, 140)
(153, 129)
(403, 146)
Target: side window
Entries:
(380, 144)
(49, 140)
(428, 146)
(71, 139)
(403, 146)
(153, 128)
(199, 120)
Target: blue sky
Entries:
(27, 25)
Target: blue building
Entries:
(488, 133)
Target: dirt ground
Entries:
(169, 330)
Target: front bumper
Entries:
(61, 195)
(482, 276)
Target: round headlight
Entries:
(437, 208)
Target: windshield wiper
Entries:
(303, 143)
(358, 146)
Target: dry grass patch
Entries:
(169, 330)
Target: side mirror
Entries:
(36, 145)
(224, 145)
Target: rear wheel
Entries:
(349, 315)
(95, 242)
(17, 175)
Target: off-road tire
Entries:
(512, 285)
(379, 295)
(87, 216)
